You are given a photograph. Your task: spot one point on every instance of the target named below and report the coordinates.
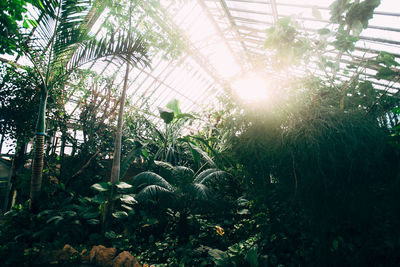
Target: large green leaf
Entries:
(120, 214)
(123, 185)
(356, 27)
(174, 106)
(101, 187)
(128, 199)
(166, 114)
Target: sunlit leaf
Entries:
(93, 221)
(128, 199)
(126, 207)
(120, 214)
(174, 106)
(101, 187)
(123, 185)
(356, 27)
(243, 212)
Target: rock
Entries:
(84, 255)
(67, 253)
(125, 259)
(93, 252)
(102, 256)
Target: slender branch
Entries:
(83, 168)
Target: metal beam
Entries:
(192, 50)
(274, 10)
(220, 32)
(234, 28)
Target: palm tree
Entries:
(116, 164)
(60, 44)
(180, 183)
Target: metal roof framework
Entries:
(239, 28)
(224, 39)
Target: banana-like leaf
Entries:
(174, 106)
(166, 114)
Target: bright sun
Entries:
(251, 87)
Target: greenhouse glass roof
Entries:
(224, 40)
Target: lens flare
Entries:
(251, 87)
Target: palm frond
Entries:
(209, 176)
(150, 178)
(165, 169)
(61, 43)
(200, 192)
(130, 49)
(154, 193)
(182, 175)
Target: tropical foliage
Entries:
(309, 179)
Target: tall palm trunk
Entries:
(115, 171)
(116, 165)
(38, 154)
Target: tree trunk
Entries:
(1, 142)
(62, 153)
(38, 154)
(116, 165)
(17, 164)
(74, 145)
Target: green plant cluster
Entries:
(312, 179)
